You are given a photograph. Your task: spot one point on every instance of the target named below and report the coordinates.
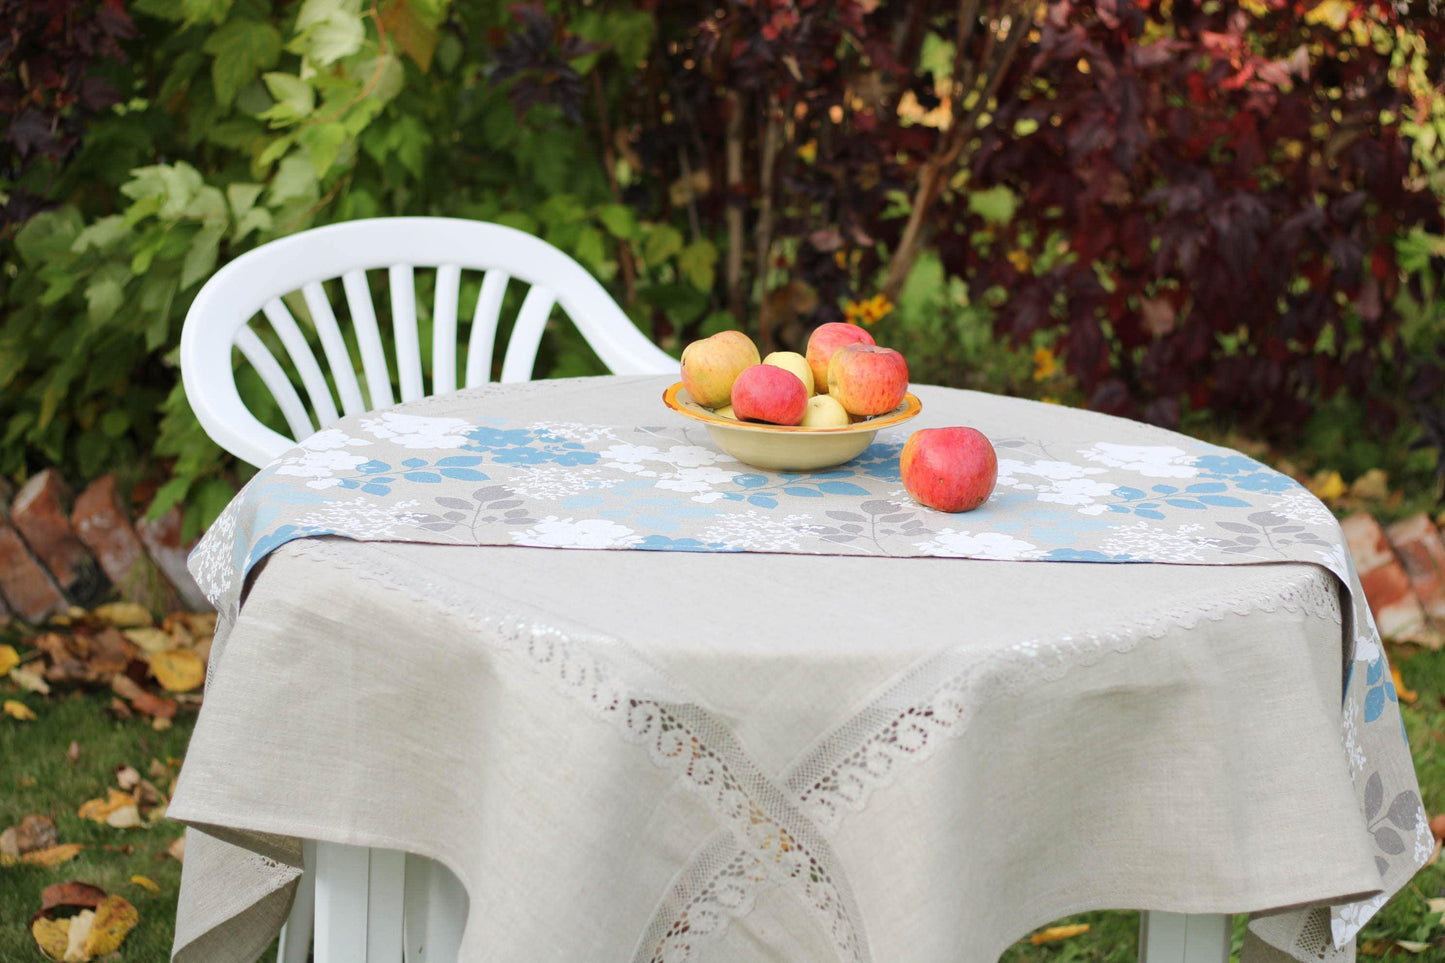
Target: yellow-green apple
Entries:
(826, 339)
(824, 412)
(794, 362)
(726, 411)
(950, 469)
(710, 366)
(768, 393)
(867, 379)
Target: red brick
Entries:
(162, 540)
(1421, 550)
(30, 593)
(1397, 610)
(40, 513)
(100, 521)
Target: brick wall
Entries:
(59, 549)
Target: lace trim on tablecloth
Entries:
(771, 830)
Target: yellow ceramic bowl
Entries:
(786, 448)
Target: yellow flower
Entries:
(1045, 364)
(869, 312)
(1020, 260)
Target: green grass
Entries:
(37, 777)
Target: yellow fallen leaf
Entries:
(1412, 946)
(52, 855)
(126, 817)
(149, 640)
(177, 849)
(18, 710)
(1436, 905)
(52, 936)
(80, 925)
(1407, 696)
(1055, 933)
(114, 918)
(9, 658)
(99, 810)
(178, 670)
(31, 678)
(1327, 485)
(123, 615)
(146, 883)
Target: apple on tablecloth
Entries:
(949, 469)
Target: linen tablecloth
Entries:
(801, 758)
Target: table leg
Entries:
(342, 887)
(296, 934)
(436, 912)
(1184, 938)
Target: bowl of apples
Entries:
(794, 412)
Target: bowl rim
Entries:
(677, 398)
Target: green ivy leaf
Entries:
(201, 258)
(619, 220)
(295, 179)
(295, 98)
(202, 11)
(590, 248)
(102, 235)
(49, 234)
(324, 142)
(242, 197)
(328, 30)
(242, 49)
(995, 205)
(663, 241)
(697, 262)
(105, 293)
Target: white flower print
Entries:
(697, 479)
(321, 456)
(554, 532)
(1151, 461)
(361, 518)
(995, 545)
(550, 482)
(417, 431)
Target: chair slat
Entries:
(483, 335)
(373, 358)
(295, 942)
(444, 330)
(342, 891)
(276, 382)
(435, 911)
(527, 334)
(305, 361)
(386, 887)
(335, 347)
(403, 329)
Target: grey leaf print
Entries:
(1405, 811)
(1374, 795)
(1390, 841)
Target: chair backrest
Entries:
(255, 282)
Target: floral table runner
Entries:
(1072, 486)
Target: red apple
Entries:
(950, 469)
(709, 366)
(767, 393)
(826, 339)
(867, 380)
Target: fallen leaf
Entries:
(1327, 485)
(1412, 946)
(9, 846)
(177, 849)
(9, 658)
(1055, 933)
(1437, 826)
(146, 883)
(126, 817)
(1407, 696)
(158, 708)
(126, 777)
(161, 723)
(36, 832)
(149, 640)
(99, 810)
(178, 670)
(72, 893)
(53, 856)
(114, 918)
(79, 932)
(52, 936)
(18, 710)
(31, 678)
(126, 687)
(123, 615)
(73, 753)
(1436, 905)
(1373, 485)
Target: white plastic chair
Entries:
(256, 281)
(358, 905)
